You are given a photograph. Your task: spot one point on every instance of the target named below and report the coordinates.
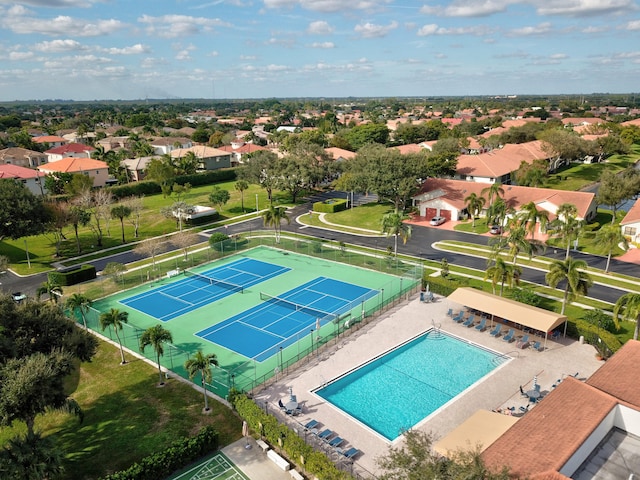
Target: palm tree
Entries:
(628, 308)
(392, 224)
(474, 206)
(503, 272)
(51, 288)
(121, 212)
(116, 319)
(497, 212)
(608, 238)
(531, 216)
(494, 191)
(273, 217)
(202, 363)
(567, 225)
(571, 272)
(156, 336)
(515, 239)
(241, 186)
(80, 302)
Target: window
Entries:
(629, 231)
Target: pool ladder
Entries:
(437, 334)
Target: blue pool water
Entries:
(397, 390)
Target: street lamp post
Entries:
(257, 207)
(312, 341)
(281, 359)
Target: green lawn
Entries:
(126, 416)
(368, 216)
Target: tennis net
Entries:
(296, 306)
(213, 281)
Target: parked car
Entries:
(437, 221)
(495, 230)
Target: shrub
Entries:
(72, 275)
(331, 205)
(219, 240)
(600, 319)
(527, 296)
(443, 286)
(178, 455)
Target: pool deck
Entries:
(501, 389)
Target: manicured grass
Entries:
(126, 416)
(367, 216)
(481, 226)
(577, 176)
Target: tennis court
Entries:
(199, 289)
(280, 320)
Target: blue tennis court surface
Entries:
(170, 301)
(279, 320)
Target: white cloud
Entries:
(581, 8)
(433, 29)
(55, 3)
(468, 8)
(426, 30)
(594, 29)
(328, 6)
(183, 55)
(172, 26)
(213, 53)
(540, 29)
(20, 56)
(18, 21)
(319, 28)
(248, 57)
(136, 49)
(633, 25)
(558, 56)
(323, 45)
(58, 46)
(371, 30)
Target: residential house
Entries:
(445, 198)
(630, 224)
(77, 150)
(30, 178)
(114, 143)
(22, 157)
(498, 165)
(209, 158)
(340, 154)
(96, 169)
(239, 149)
(49, 140)
(587, 429)
(137, 167)
(164, 145)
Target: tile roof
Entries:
(200, 151)
(500, 161)
(49, 139)
(244, 148)
(549, 434)
(14, 171)
(633, 215)
(70, 148)
(73, 164)
(410, 148)
(336, 153)
(455, 191)
(19, 152)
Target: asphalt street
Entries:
(419, 246)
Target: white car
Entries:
(435, 221)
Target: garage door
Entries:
(433, 212)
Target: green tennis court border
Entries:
(214, 467)
(236, 371)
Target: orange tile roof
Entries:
(457, 190)
(619, 375)
(49, 139)
(633, 215)
(410, 148)
(500, 161)
(549, 434)
(245, 148)
(70, 147)
(72, 164)
(15, 171)
(336, 153)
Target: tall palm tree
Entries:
(572, 272)
(273, 217)
(493, 192)
(121, 212)
(567, 225)
(515, 240)
(241, 186)
(392, 224)
(116, 319)
(156, 337)
(628, 308)
(497, 212)
(202, 363)
(51, 288)
(531, 217)
(608, 238)
(79, 302)
(474, 204)
(503, 272)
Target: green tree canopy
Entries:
(22, 213)
(156, 337)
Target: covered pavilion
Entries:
(533, 318)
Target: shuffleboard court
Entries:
(199, 289)
(279, 320)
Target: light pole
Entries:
(257, 207)
(312, 341)
(281, 359)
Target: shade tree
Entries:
(22, 213)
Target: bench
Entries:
(278, 460)
(173, 273)
(263, 445)
(295, 474)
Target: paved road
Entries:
(420, 246)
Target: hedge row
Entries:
(150, 187)
(291, 444)
(444, 286)
(178, 455)
(73, 275)
(330, 206)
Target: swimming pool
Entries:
(400, 388)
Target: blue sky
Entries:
(136, 49)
